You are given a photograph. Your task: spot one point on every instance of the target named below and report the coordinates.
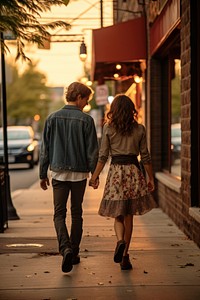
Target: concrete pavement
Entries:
(166, 264)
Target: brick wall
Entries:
(190, 226)
(176, 205)
(185, 102)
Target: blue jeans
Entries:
(61, 191)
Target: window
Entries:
(175, 155)
(171, 111)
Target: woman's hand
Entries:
(148, 169)
(94, 183)
(151, 185)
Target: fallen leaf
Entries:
(91, 273)
(187, 265)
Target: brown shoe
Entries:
(126, 264)
(119, 250)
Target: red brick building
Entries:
(178, 196)
(165, 53)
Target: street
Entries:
(21, 177)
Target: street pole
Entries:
(148, 70)
(12, 214)
(101, 11)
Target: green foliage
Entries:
(27, 95)
(21, 17)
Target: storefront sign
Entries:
(102, 94)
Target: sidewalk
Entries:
(166, 265)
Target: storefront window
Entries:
(175, 118)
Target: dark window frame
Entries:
(168, 52)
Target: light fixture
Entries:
(89, 83)
(118, 66)
(83, 51)
(137, 79)
(84, 79)
(116, 75)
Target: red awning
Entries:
(122, 42)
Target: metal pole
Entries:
(147, 79)
(101, 10)
(12, 214)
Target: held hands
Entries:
(44, 183)
(94, 183)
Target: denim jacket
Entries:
(69, 142)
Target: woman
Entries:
(126, 192)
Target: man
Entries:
(70, 149)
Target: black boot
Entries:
(126, 264)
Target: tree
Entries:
(27, 96)
(21, 18)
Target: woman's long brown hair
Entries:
(122, 114)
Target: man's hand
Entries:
(44, 183)
(94, 183)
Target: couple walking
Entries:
(70, 150)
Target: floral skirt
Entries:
(125, 192)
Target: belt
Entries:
(125, 160)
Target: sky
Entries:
(61, 64)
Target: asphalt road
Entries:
(21, 177)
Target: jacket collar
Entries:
(71, 107)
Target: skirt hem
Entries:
(115, 208)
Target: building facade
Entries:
(174, 98)
(169, 65)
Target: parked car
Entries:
(23, 147)
(176, 140)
